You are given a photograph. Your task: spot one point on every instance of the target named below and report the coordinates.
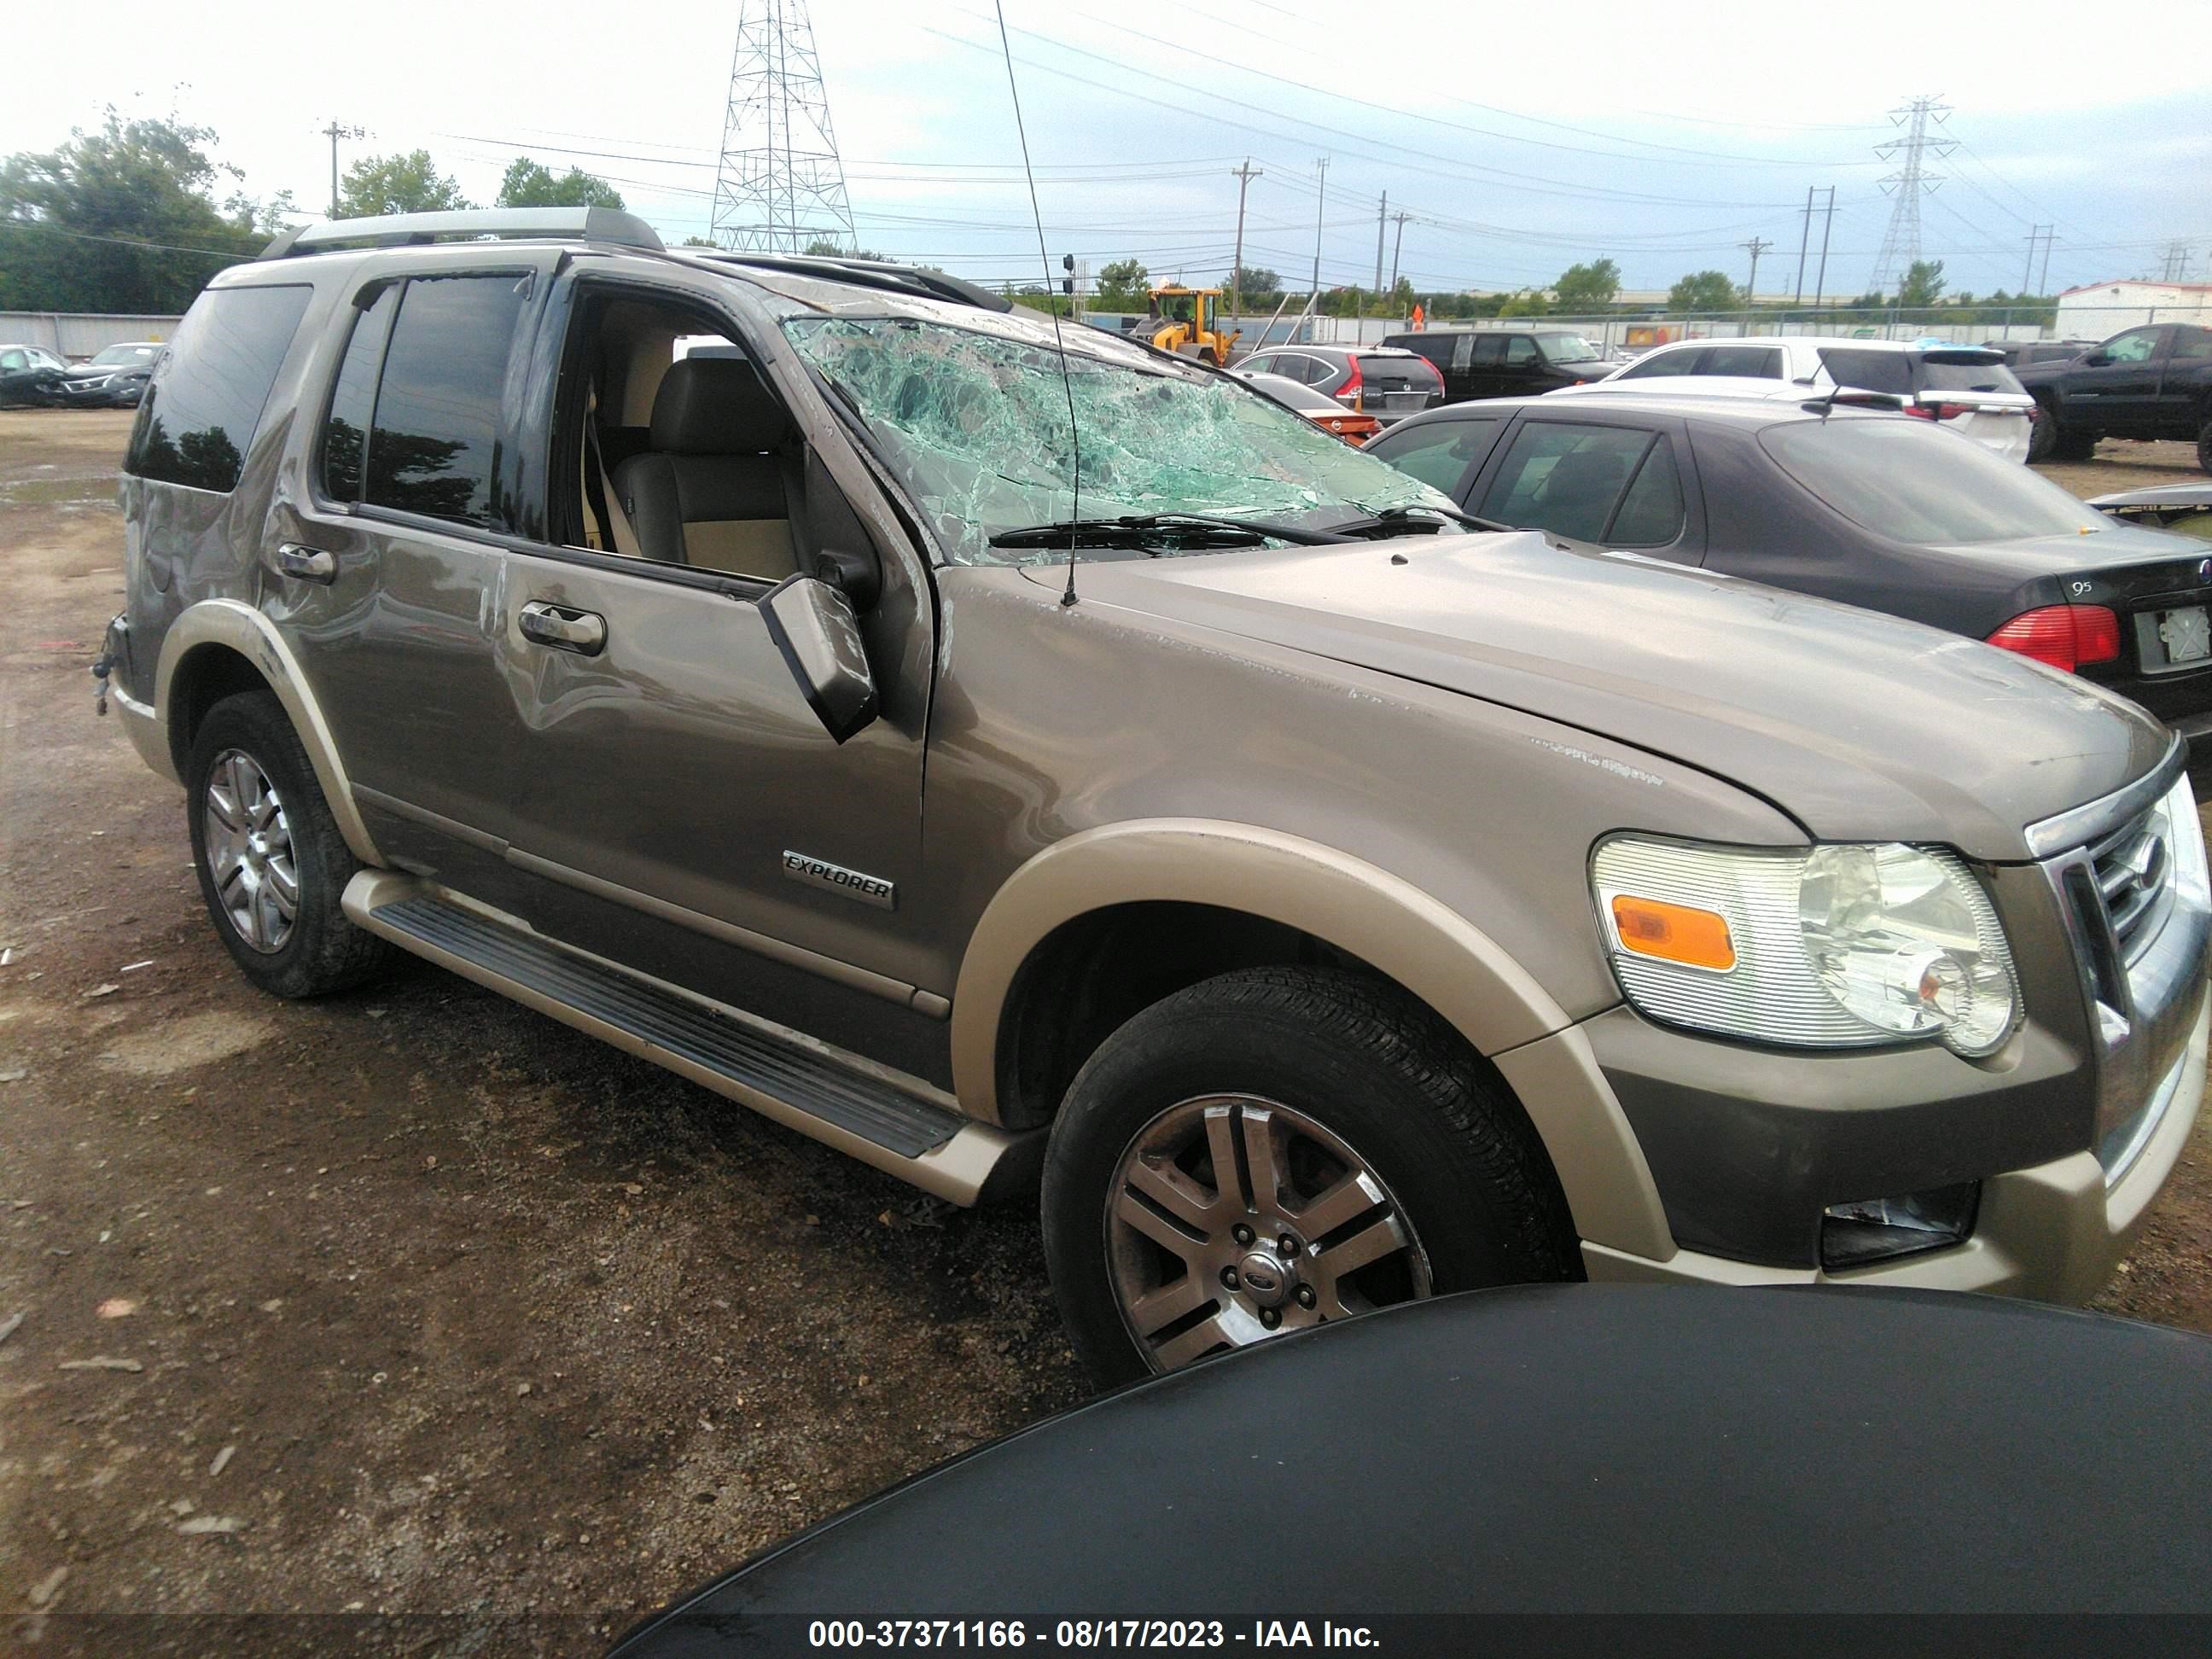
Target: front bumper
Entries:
(100, 394)
(2054, 1230)
(2069, 1132)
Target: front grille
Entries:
(2133, 868)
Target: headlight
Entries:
(1827, 946)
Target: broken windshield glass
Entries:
(975, 424)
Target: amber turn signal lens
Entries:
(1673, 933)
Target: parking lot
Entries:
(414, 1301)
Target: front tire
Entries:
(2071, 444)
(271, 863)
(1276, 1148)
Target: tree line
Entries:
(1591, 289)
(135, 215)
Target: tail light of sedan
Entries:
(2066, 636)
(1937, 411)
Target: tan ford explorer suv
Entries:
(1329, 900)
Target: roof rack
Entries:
(868, 273)
(406, 229)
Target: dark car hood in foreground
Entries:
(1549, 1448)
(1858, 725)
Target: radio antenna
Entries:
(1066, 381)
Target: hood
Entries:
(1859, 725)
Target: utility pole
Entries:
(334, 132)
(1804, 242)
(1757, 245)
(2043, 281)
(2176, 263)
(2035, 234)
(1244, 176)
(1381, 221)
(1322, 163)
(1821, 282)
(1397, 244)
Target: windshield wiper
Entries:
(1400, 520)
(1176, 529)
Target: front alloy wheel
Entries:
(249, 852)
(1232, 1218)
(1281, 1147)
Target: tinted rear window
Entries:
(435, 443)
(1903, 479)
(1415, 371)
(1874, 371)
(1966, 377)
(198, 418)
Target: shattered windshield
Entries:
(976, 425)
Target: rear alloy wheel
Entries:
(272, 865)
(1279, 1148)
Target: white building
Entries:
(2103, 309)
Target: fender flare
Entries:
(1401, 931)
(240, 628)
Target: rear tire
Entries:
(271, 863)
(2204, 446)
(1372, 1158)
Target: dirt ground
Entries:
(413, 1301)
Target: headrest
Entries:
(716, 406)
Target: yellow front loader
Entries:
(1187, 321)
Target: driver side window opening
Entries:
(681, 453)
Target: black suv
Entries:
(1506, 362)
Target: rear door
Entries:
(2187, 360)
(395, 554)
(1623, 484)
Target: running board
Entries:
(897, 1124)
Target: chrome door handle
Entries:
(308, 563)
(584, 632)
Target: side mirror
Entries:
(2095, 360)
(814, 625)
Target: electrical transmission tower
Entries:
(1901, 244)
(780, 185)
(2176, 266)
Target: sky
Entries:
(1521, 139)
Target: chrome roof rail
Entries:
(592, 224)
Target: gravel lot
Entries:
(412, 1301)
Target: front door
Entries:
(669, 763)
(2116, 388)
